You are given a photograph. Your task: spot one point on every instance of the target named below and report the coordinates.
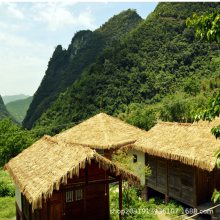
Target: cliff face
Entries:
(66, 66)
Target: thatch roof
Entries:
(102, 132)
(191, 144)
(48, 163)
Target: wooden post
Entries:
(145, 192)
(120, 198)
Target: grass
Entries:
(7, 208)
(7, 201)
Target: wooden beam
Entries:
(120, 198)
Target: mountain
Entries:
(18, 108)
(3, 111)
(158, 58)
(11, 98)
(66, 66)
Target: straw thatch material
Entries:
(208, 124)
(102, 132)
(48, 163)
(191, 144)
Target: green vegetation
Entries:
(66, 66)
(7, 208)
(18, 108)
(13, 139)
(208, 27)
(158, 61)
(7, 199)
(3, 111)
(136, 208)
(6, 186)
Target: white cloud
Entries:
(85, 18)
(57, 16)
(27, 40)
(13, 40)
(14, 11)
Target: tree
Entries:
(139, 115)
(208, 27)
(13, 139)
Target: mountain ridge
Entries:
(11, 98)
(154, 60)
(66, 65)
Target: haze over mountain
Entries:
(3, 111)
(18, 108)
(153, 58)
(11, 98)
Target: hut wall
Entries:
(18, 198)
(173, 179)
(217, 178)
(138, 157)
(158, 178)
(205, 186)
(84, 197)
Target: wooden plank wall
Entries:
(173, 179)
(95, 202)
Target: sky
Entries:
(29, 32)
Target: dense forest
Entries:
(157, 68)
(66, 66)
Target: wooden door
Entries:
(56, 206)
(56, 211)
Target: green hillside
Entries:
(18, 108)
(3, 111)
(159, 58)
(12, 98)
(66, 65)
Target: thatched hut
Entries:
(182, 159)
(103, 133)
(59, 180)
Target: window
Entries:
(74, 195)
(69, 196)
(134, 158)
(79, 194)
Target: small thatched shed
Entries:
(182, 159)
(103, 133)
(59, 180)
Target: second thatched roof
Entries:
(48, 163)
(191, 144)
(102, 132)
